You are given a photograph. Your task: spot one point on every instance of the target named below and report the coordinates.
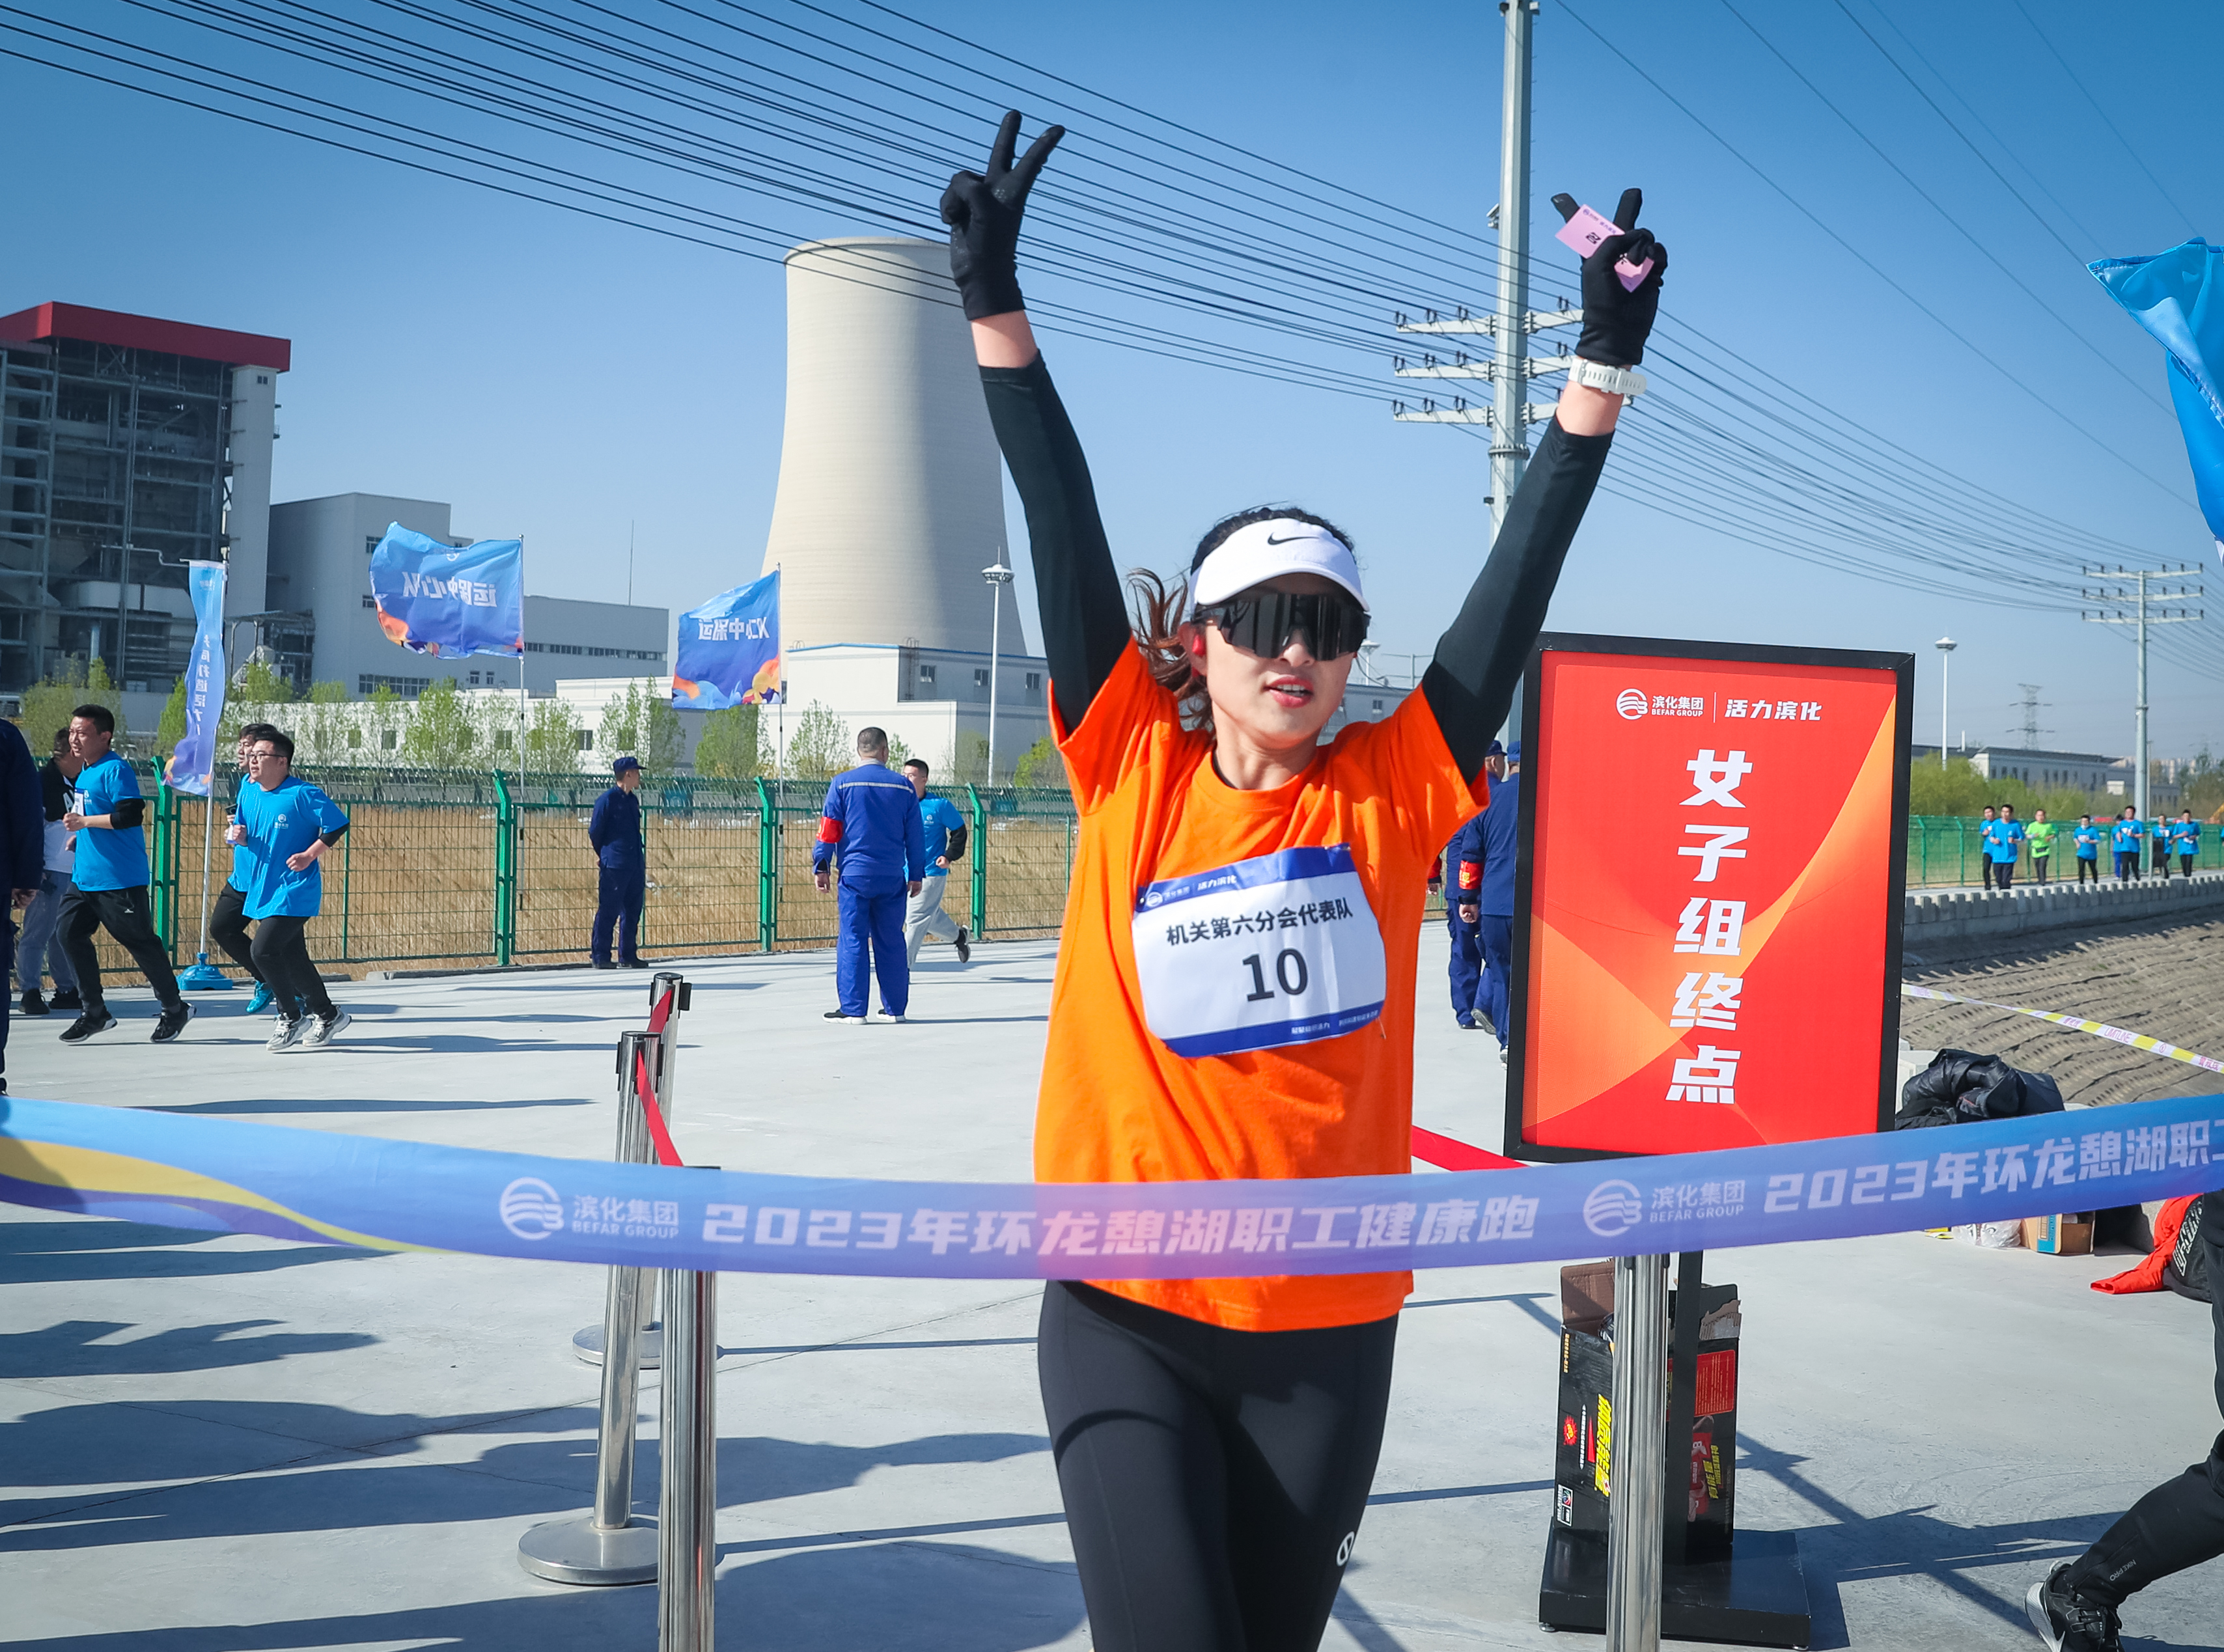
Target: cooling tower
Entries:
(890, 500)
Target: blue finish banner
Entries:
(325, 1188)
(2178, 296)
(729, 650)
(438, 599)
(192, 761)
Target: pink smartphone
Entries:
(1586, 230)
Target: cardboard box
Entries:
(2059, 1235)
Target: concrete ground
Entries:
(215, 1443)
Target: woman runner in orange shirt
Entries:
(1235, 975)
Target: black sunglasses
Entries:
(1332, 624)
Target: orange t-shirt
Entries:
(1118, 1104)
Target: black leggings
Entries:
(1213, 1479)
(282, 959)
(228, 929)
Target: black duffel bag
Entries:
(1961, 1087)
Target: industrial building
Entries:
(320, 581)
(128, 447)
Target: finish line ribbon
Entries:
(2098, 1029)
(324, 1188)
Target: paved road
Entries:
(219, 1443)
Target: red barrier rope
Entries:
(666, 1154)
(1448, 1155)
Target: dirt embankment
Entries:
(2166, 980)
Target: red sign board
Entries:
(1712, 863)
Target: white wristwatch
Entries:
(1615, 381)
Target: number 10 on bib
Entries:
(1280, 949)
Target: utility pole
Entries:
(998, 576)
(2030, 703)
(1945, 646)
(1508, 369)
(2139, 599)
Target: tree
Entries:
(439, 735)
(69, 684)
(551, 737)
(732, 746)
(820, 747)
(382, 729)
(259, 684)
(899, 753)
(970, 761)
(1041, 766)
(642, 721)
(172, 728)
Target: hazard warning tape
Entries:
(2098, 1029)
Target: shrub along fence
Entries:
(457, 867)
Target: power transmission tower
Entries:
(2030, 703)
(1508, 369)
(2139, 599)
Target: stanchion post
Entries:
(634, 1147)
(688, 1512)
(1637, 1470)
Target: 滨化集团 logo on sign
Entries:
(1613, 1209)
(1631, 704)
(530, 1209)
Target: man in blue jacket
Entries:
(622, 854)
(23, 856)
(1494, 927)
(283, 828)
(870, 826)
(1462, 883)
(109, 883)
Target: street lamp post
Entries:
(1945, 646)
(998, 576)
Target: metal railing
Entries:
(1946, 850)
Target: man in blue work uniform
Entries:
(1463, 886)
(1494, 927)
(622, 854)
(2088, 838)
(2185, 841)
(23, 855)
(283, 828)
(944, 829)
(2003, 843)
(109, 882)
(2127, 837)
(870, 824)
(228, 913)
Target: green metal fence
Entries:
(1945, 850)
(453, 866)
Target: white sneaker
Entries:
(286, 1034)
(323, 1030)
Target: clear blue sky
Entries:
(567, 380)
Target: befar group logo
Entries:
(530, 1209)
(1613, 1209)
(1631, 704)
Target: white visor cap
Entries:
(1260, 551)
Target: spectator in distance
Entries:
(870, 826)
(621, 859)
(945, 835)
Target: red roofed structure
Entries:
(45, 323)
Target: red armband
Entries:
(830, 830)
(1470, 874)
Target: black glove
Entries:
(1617, 322)
(983, 215)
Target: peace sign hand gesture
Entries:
(983, 212)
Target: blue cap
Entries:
(1513, 753)
(623, 763)
(1495, 750)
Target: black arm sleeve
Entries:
(1481, 656)
(1084, 620)
(953, 848)
(334, 835)
(128, 813)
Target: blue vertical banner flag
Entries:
(728, 652)
(2178, 296)
(193, 759)
(440, 599)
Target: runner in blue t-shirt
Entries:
(283, 828)
(227, 924)
(944, 824)
(2160, 837)
(2089, 839)
(109, 882)
(2003, 843)
(2185, 841)
(2127, 837)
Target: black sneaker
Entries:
(2068, 1622)
(964, 946)
(33, 1004)
(171, 1023)
(67, 998)
(87, 1024)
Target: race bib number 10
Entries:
(1282, 950)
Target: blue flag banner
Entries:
(437, 599)
(728, 652)
(193, 759)
(2178, 296)
(329, 1188)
